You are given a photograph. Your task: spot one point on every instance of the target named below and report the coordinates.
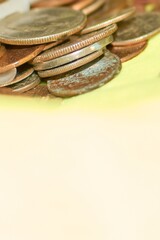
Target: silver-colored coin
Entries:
(7, 77)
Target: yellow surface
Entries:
(69, 174)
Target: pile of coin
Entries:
(66, 47)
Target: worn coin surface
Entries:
(93, 7)
(75, 43)
(87, 78)
(8, 76)
(138, 29)
(41, 26)
(70, 66)
(15, 56)
(94, 24)
(74, 56)
(26, 84)
(128, 52)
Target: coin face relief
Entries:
(41, 26)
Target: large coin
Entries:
(41, 26)
(87, 78)
(137, 29)
(74, 56)
(70, 66)
(75, 43)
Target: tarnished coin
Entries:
(2, 50)
(70, 66)
(26, 84)
(41, 26)
(81, 4)
(93, 7)
(8, 76)
(75, 43)
(104, 21)
(23, 72)
(74, 56)
(86, 78)
(128, 52)
(17, 55)
(137, 29)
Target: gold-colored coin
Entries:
(74, 56)
(70, 66)
(41, 26)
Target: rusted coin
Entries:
(128, 52)
(93, 7)
(74, 56)
(8, 76)
(70, 66)
(137, 29)
(2, 50)
(17, 55)
(86, 78)
(104, 21)
(26, 84)
(81, 4)
(75, 43)
(23, 72)
(51, 3)
(41, 26)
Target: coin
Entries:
(128, 52)
(51, 3)
(75, 43)
(17, 55)
(104, 21)
(87, 78)
(26, 84)
(53, 44)
(39, 91)
(75, 55)
(41, 26)
(138, 29)
(8, 76)
(93, 7)
(70, 66)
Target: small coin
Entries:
(86, 78)
(41, 26)
(17, 55)
(81, 4)
(138, 29)
(51, 3)
(70, 66)
(26, 84)
(128, 52)
(75, 43)
(23, 72)
(93, 7)
(8, 76)
(74, 56)
(104, 21)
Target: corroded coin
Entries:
(75, 43)
(128, 52)
(137, 29)
(87, 78)
(26, 84)
(70, 66)
(94, 24)
(41, 26)
(93, 7)
(74, 56)
(23, 72)
(8, 76)
(17, 55)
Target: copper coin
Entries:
(87, 78)
(75, 43)
(17, 55)
(93, 7)
(41, 26)
(104, 21)
(70, 66)
(138, 29)
(81, 4)
(2, 50)
(128, 52)
(23, 72)
(26, 84)
(51, 3)
(8, 76)
(74, 56)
